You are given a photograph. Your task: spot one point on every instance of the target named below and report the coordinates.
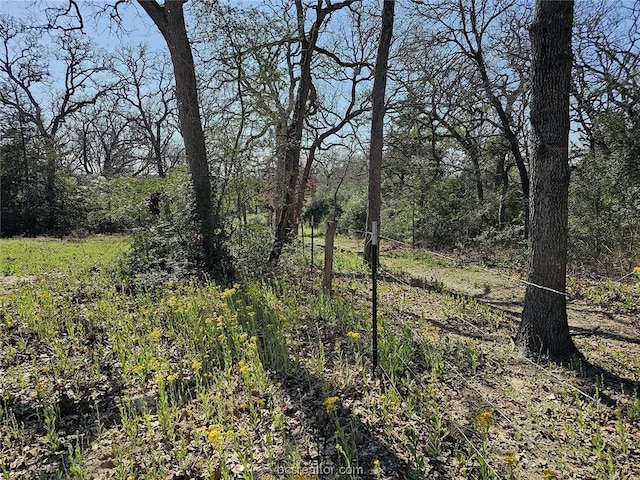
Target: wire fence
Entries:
(398, 278)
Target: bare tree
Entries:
(101, 140)
(336, 109)
(292, 140)
(25, 73)
(465, 28)
(146, 89)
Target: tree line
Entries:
(274, 102)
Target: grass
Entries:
(272, 379)
(36, 256)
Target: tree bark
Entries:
(169, 18)
(544, 327)
(291, 161)
(285, 228)
(377, 124)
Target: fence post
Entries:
(374, 293)
(328, 256)
(312, 225)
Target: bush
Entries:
(169, 247)
(26, 207)
(604, 215)
(320, 207)
(353, 217)
(251, 248)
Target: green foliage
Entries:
(82, 204)
(353, 217)
(169, 247)
(162, 252)
(444, 213)
(251, 247)
(621, 134)
(120, 204)
(320, 207)
(604, 212)
(24, 175)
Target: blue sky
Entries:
(136, 26)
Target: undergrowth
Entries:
(265, 378)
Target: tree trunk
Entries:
(377, 124)
(286, 222)
(169, 18)
(157, 152)
(291, 160)
(544, 327)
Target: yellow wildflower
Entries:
(330, 403)
(43, 388)
(484, 420)
(227, 293)
(196, 364)
(353, 335)
(159, 379)
(137, 369)
(171, 377)
(214, 435)
(155, 334)
(172, 301)
(636, 270)
(244, 368)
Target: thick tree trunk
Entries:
(544, 328)
(169, 18)
(377, 124)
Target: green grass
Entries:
(203, 381)
(33, 256)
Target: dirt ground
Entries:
(559, 422)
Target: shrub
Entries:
(353, 217)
